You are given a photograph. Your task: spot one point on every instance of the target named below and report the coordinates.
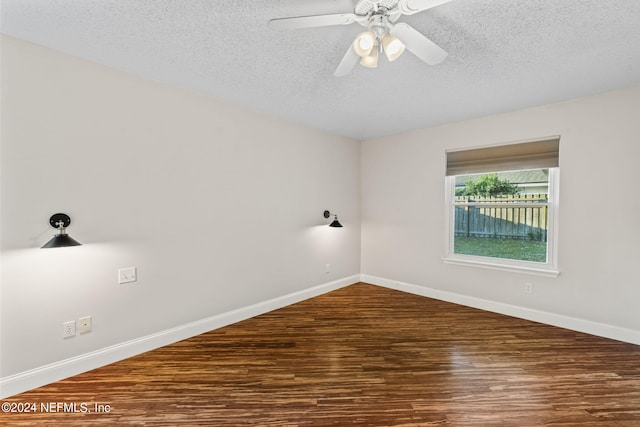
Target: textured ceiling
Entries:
(503, 55)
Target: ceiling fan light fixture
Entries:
(371, 60)
(364, 43)
(381, 32)
(392, 46)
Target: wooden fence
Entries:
(494, 217)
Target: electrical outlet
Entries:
(327, 268)
(528, 288)
(127, 275)
(84, 324)
(69, 329)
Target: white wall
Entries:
(599, 234)
(218, 207)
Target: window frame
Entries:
(548, 268)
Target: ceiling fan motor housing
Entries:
(377, 27)
(365, 7)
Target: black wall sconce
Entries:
(335, 222)
(60, 221)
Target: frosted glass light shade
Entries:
(364, 43)
(392, 46)
(371, 61)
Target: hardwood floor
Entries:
(362, 355)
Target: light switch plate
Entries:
(127, 275)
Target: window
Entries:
(502, 207)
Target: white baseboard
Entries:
(23, 381)
(553, 319)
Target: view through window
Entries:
(502, 215)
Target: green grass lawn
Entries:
(525, 250)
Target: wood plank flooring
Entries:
(361, 356)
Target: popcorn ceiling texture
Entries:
(503, 55)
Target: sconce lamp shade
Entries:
(60, 221)
(60, 241)
(335, 222)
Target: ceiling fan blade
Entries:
(312, 21)
(349, 60)
(418, 44)
(409, 7)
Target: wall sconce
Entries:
(60, 221)
(335, 222)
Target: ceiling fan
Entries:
(383, 34)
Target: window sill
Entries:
(492, 265)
